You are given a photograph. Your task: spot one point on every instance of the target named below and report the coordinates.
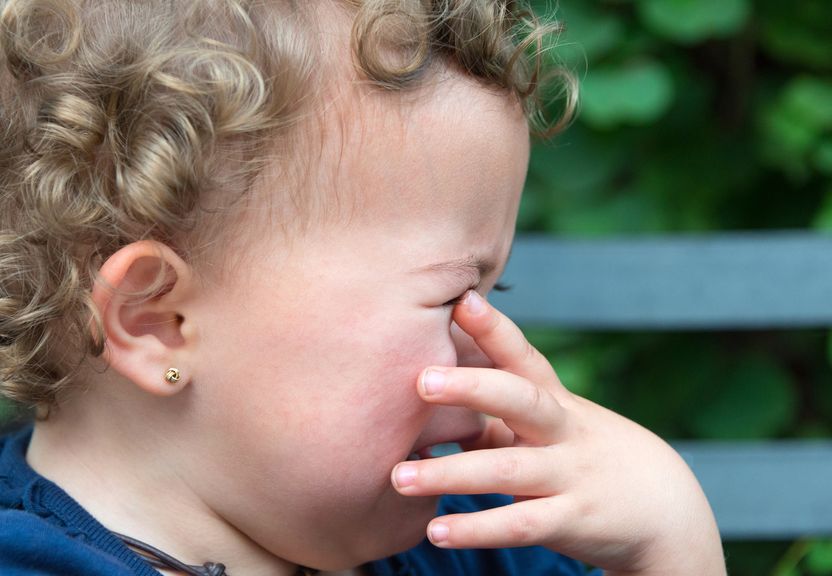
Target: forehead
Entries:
(448, 144)
(367, 154)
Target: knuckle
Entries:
(535, 399)
(523, 528)
(509, 468)
(586, 508)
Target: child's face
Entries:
(309, 358)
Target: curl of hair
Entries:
(500, 42)
(114, 115)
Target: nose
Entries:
(467, 351)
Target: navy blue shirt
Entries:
(44, 531)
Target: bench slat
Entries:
(765, 490)
(737, 281)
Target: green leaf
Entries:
(818, 559)
(756, 401)
(690, 21)
(634, 94)
(795, 124)
(809, 99)
(794, 136)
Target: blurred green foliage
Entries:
(696, 116)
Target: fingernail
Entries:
(404, 475)
(438, 533)
(474, 302)
(433, 382)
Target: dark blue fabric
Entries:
(45, 532)
(428, 560)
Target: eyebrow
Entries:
(460, 266)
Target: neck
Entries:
(129, 486)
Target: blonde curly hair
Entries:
(114, 114)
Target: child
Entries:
(244, 251)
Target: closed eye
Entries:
(454, 301)
(499, 287)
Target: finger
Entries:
(526, 523)
(495, 435)
(516, 471)
(532, 412)
(502, 341)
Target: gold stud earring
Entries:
(172, 375)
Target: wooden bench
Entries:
(759, 489)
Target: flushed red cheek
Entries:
(390, 399)
(410, 356)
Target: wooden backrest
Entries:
(759, 490)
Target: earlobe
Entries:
(142, 293)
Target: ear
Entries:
(142, 293)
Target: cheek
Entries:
(390, 360)
(398, 346)
(352, 371)
(383, 368)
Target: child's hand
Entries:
(587, 482)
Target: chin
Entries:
(398, 531)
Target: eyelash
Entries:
(498, 287)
